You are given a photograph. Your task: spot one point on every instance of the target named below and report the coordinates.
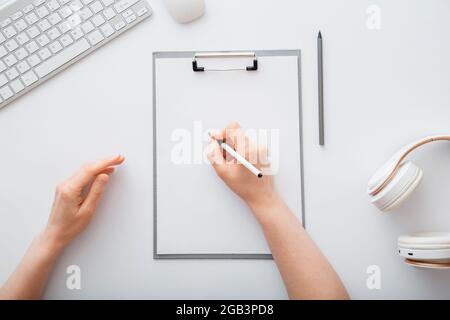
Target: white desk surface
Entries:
(383, 89)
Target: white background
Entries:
(383, 89)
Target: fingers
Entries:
(83, 176)
(236, 138)
(109, 170)
(230, 133)
(218, 136)
(215, 156)
(93, 197)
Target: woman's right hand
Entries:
(253, 190)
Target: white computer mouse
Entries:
(185, 11)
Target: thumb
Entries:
(92, 199)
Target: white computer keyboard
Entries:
(46, 36)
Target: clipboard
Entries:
(168, 228)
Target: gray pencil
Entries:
(320, 77)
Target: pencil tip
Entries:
(320, 34)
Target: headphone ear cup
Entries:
(425, 240)
(425, 249)
(399, 188)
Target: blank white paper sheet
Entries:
(195, 213)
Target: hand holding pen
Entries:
(239, 158)
(240, 165)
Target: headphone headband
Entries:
(403, 153)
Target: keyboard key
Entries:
(55, 46)
(34, 60)
(124, 4)
(10, 60)
(28, 8)
(85, 13)
(61, 58)
(65, 12)
(3, 79)
(76, 5)
(22, 38)
(107, 2)
(127, 13)
(17, 15)
(96, 7)
(53, 5)
(2, 38)
(6, 92)
(87, 27)
(43, 40)
(95, 37)
(44, 53)
(2, 66)
(21, 53)
(107, 30)
(119, 25)
(64, 27)
(11, 45)
(3, 51)
(142, 11)
(66, 40)
(76, 33)
(29, 78)
(53, 33)
(86, 2)
(12, 73)
(74, 19)
(37, 3)
(32, 47)
(63, 2)
(98, 20)
(5, 22)
(9, 31)
(33, 32)
(42, 12)
(31, 18)
(17, 86)
(131, 18)
(109, 13)
(44, 25)
(20, 25)
(23, 66)
(54, 18)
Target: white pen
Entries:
(239, 158)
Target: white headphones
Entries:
(392, 184)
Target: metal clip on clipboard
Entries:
(197, 56)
